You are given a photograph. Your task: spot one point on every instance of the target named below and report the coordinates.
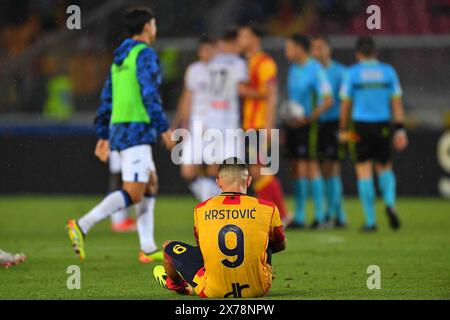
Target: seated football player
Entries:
(236, 236)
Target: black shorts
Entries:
(374, 141)
(301, 143)
(328, 147)
(186, 259)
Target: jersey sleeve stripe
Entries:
(201, 204)
(266, 203)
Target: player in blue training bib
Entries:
(308, 87)
(371, 90)
(330, 152)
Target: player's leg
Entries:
(317, 192)
(366, 191)
(387, 184)
(202, 186)
(326, 168)
(267, 187)
(386, 177)
(301, 186)
(120, 221)
(183, 267)
(331, 171)
(112, 203)
(197, 182)
(308, 150)
(131, 193)
(329, 152)
(136, 163)
(365, 151)
(145, 211)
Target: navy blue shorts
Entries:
(186, 259)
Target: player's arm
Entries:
(183, 110)
(268, 75)
(345, 95)
(246, 91)
(324, 91)
(398, 114)
(400, 136)
(327, 102)
(272, 100)
(277, 236)
(184, 104)
(102, 121)
(277, 246)
(149, 76)
(196, 229)
(346, 106)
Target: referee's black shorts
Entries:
(374, 141)
(328, 146)
(301, 143)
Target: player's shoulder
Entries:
(239, 60)
(203, 204)
(265, 59)
(339, 66)
(196, 66)
(148, 52)
(387, 67)
(314, 63)
(229, 59)
(294, 67)
(262, 203)
(354, 69)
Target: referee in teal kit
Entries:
(371, 91)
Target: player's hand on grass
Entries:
(400, 140)
(102, 150)
(167, 140)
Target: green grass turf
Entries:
(414, 262)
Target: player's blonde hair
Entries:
(233, 170)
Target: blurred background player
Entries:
(10, 259)
(193, 107)
(217, 267)
(228, 75)
(328, 147)
(130, 110)
(121, 220)
(372, 91)
(258, 111)
(308, 86)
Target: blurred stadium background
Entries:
(51, 77)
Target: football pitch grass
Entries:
(330, 264)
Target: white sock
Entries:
(145, 211)
(113, 203)
(120, 216)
